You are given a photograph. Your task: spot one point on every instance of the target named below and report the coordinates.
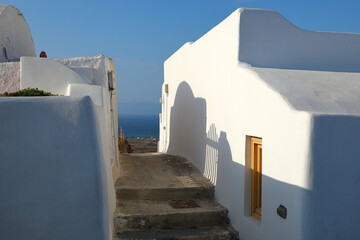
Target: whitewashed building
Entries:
(270, 113)
(58, 155)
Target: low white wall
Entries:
(215, 102)
(98, 69)
(57, 76)
(54, 174)
(15, 36)
(48, 75)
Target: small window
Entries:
(256, 174)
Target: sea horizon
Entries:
(135, 125)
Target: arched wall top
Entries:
(15, 36)
(265, 39)
(269, 40)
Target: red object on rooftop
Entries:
(43, 54)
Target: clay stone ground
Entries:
(143, 145)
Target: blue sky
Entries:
(141, 34)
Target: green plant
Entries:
(28, 92)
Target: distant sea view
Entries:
(139, 125)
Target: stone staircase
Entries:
(165, 197)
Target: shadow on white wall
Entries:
(210, 151)
(188, 126)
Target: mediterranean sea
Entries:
(139, 125)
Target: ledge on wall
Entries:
(81, 90)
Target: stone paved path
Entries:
(165, 197)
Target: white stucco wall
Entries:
(93, 68)
(93, 91)
(97, 69)
(315, 91)
(48, 75)
(15, 37)
(60, 184)
(52, 119)
(269, 40)
(333, 201)
(215, 101)
(53, 170)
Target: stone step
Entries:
(144, 214)
(171, 193)
(220, 233)
(160, 177)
